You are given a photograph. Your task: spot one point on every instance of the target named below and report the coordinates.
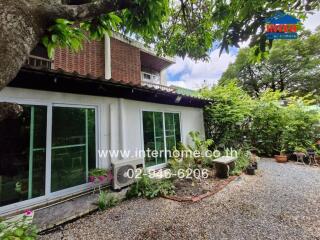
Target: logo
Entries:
(281, 26)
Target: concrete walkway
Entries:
(281, 202)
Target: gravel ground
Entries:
(281, 202)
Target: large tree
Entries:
(175, 27)
(293, 66)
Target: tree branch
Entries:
(85, 11)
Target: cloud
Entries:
(190, 74)
(312, 21)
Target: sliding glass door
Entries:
(161, 132)
(26, 139)
(73, 146)
(23, 154)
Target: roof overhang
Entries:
(146, 53)
(59, 81)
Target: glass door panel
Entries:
(159, 138)
(148, 136)
(172, 133)
(73, 146)
(23, 155)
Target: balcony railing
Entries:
(36, 61)
(157, 86)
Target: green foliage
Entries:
(96, 172)
(267, 125)
(150, 188)
(107, 200)
(63, 33)
(227, 118)
(183, 28)
(300, 150)
(290, 66)
(187, 158)
(242, 162)
(300, 129)
(22, 228)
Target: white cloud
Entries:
(312, 21)
(193, 74)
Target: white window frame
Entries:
(158, 81)
(51, 196)
(162, 165)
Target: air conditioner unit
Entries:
(124, 171)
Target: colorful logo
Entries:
(281, 26)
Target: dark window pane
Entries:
(148, 136)
(23, 155)
(73, 146)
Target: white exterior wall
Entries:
(191, 119)
(119, 120)
(119, 126)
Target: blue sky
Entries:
(190, 74)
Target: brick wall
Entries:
(125, 62)
(90, 60)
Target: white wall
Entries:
(112, 132)
(191, 120)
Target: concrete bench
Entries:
(224, 165)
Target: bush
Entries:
(20, 228)
(227, 119)
(269, 120)
(107, 200)
(150, 188)
(188, 160)
(242, 162)
(263, 122)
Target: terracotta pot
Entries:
(281, 158)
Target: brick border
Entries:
(201, 196)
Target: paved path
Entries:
(281, 202)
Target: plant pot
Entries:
(281, 158)
(255, 165)
(250, 170)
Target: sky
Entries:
(190, 74)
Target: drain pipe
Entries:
(121, 125)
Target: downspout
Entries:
(121, 125)
(107, 57)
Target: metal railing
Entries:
(36, 61)
(158, 86)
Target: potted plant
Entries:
(282, 157)
(253, 160)
(99, 177)
(250, 170)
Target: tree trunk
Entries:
(24, 22)
(20, 30)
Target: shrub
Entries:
(150, 188)
(19, 228)
(227, 119)
(242, 162)
(300, 130)
(268, 123)
(107, 200)
(188, 160)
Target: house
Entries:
(112, 96)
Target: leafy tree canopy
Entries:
(292, 66)
(176, 27)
